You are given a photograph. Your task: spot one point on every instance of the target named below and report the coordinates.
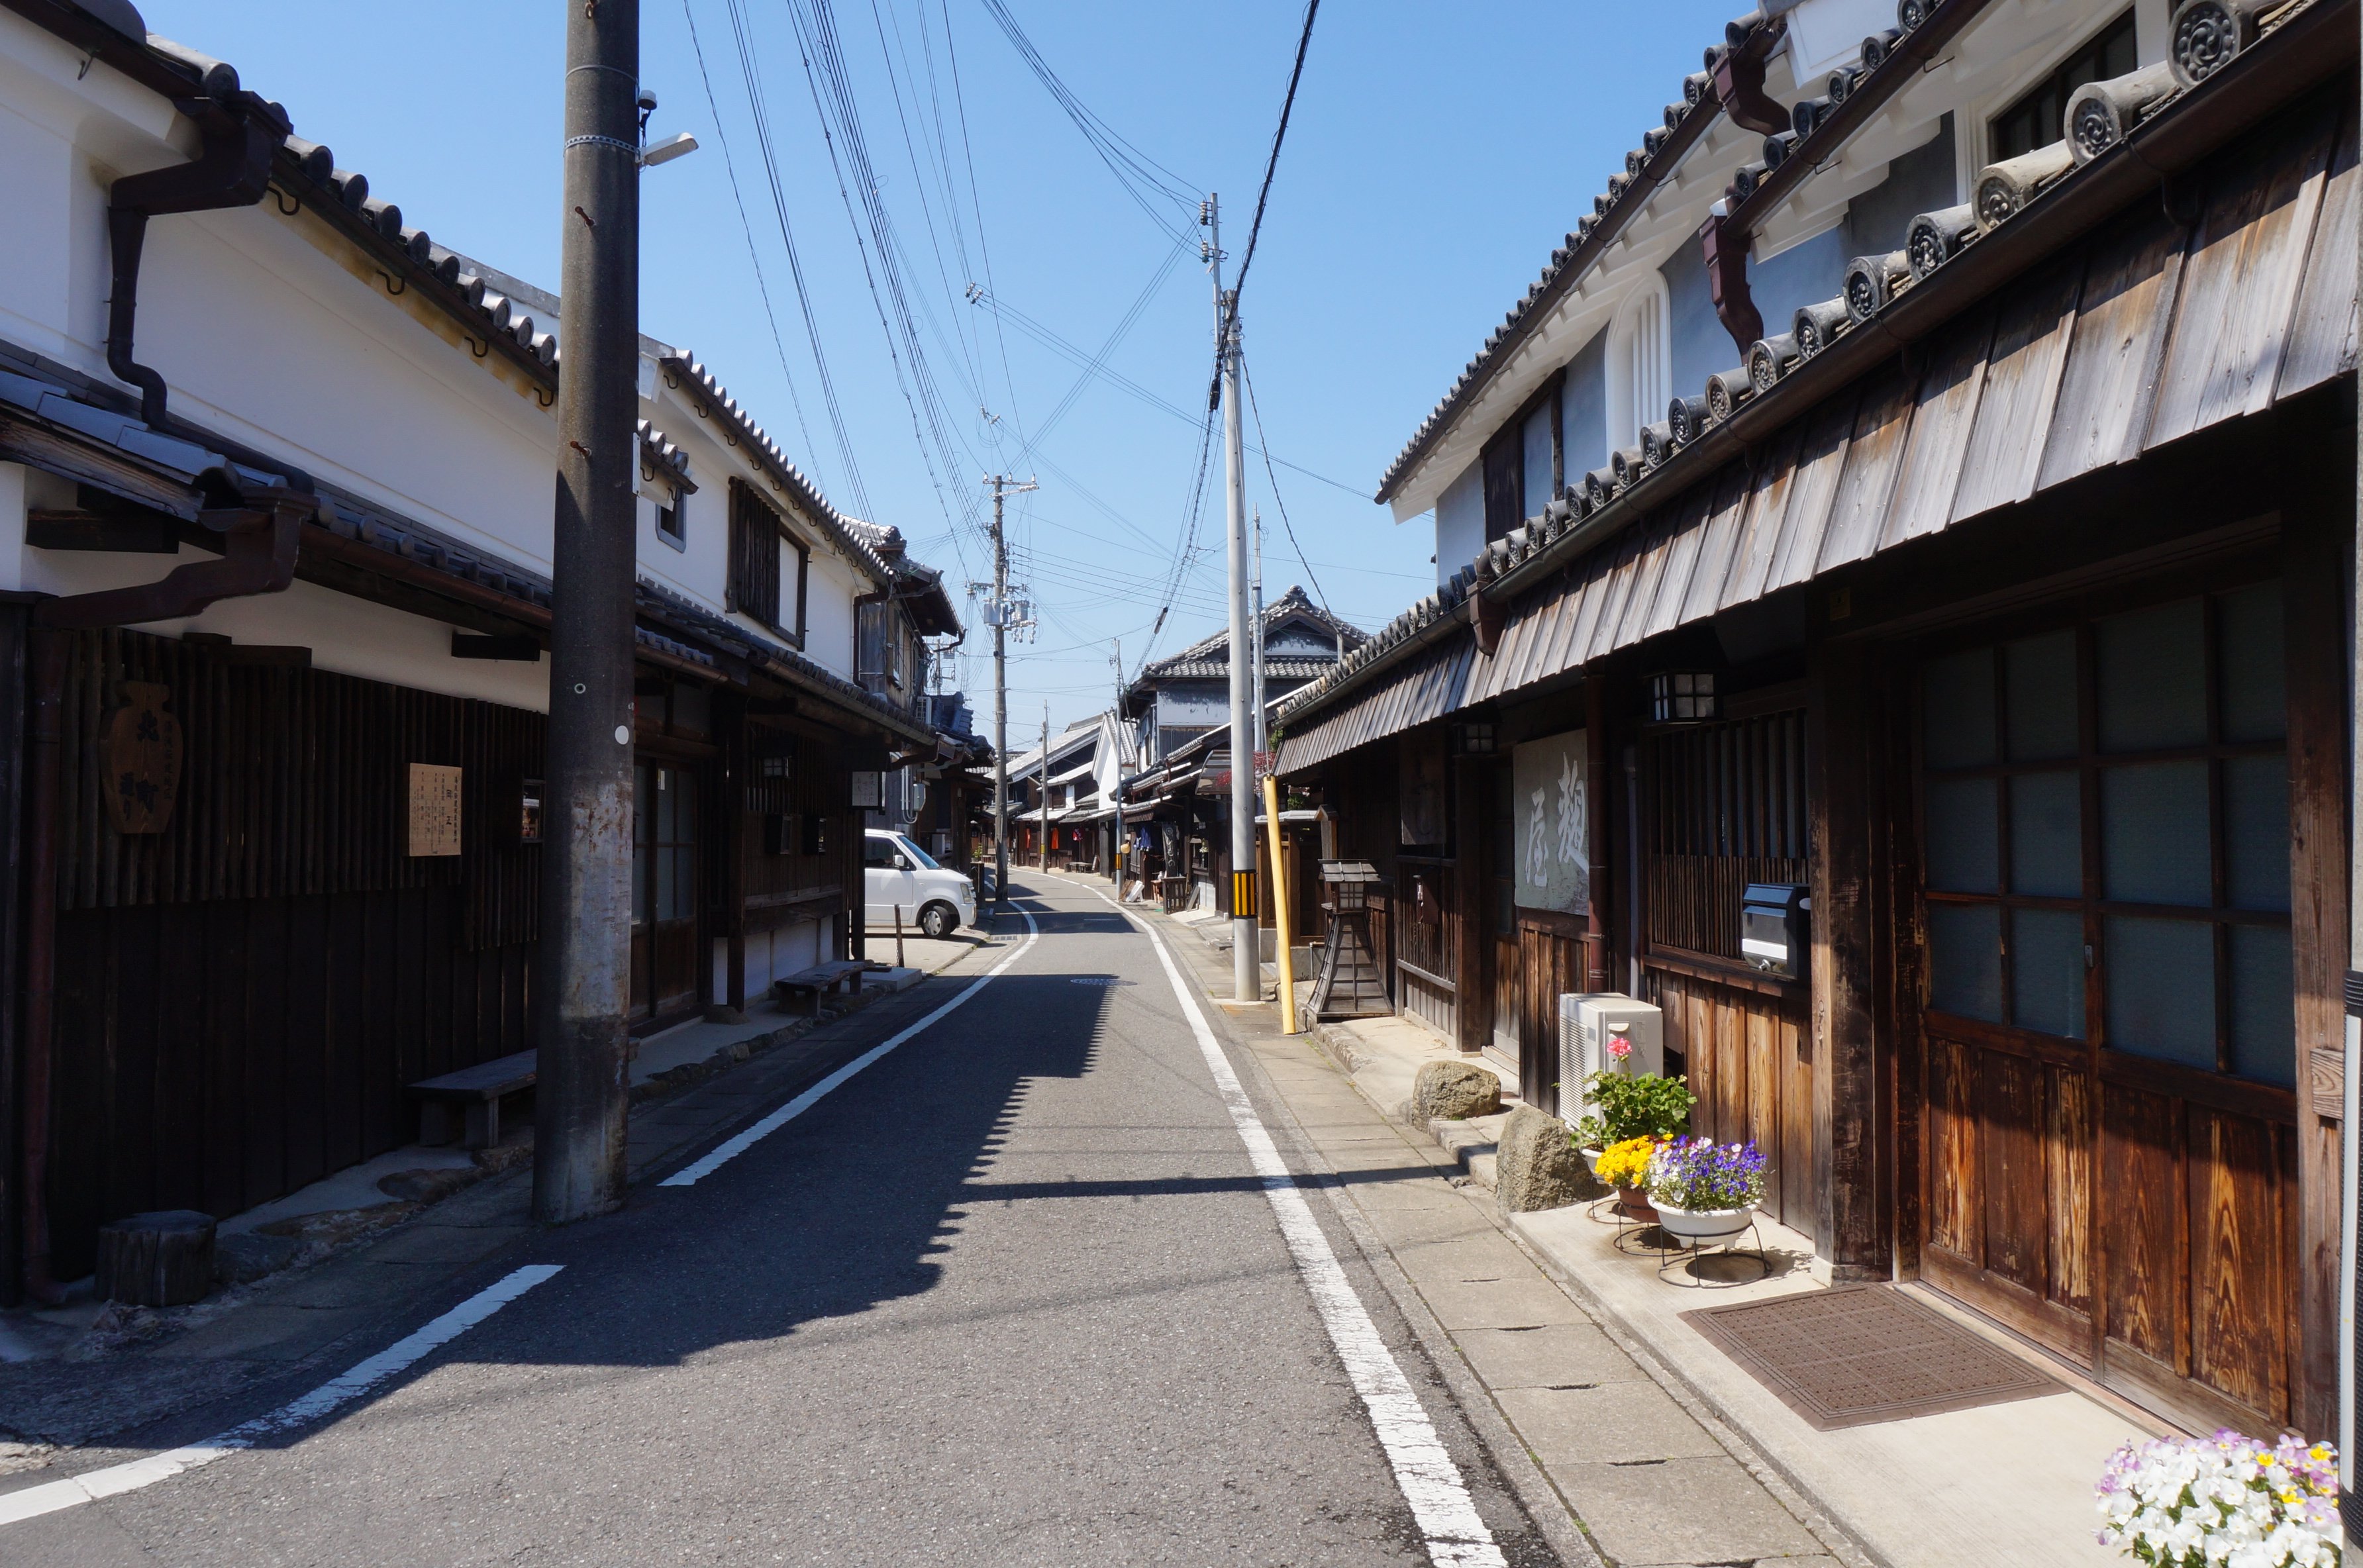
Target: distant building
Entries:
(1177, 699)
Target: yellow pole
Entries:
(1279, 909)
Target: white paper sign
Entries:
(1553, 830)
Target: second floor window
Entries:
(769, 567)
(1638, 378)
(2037, 118)
(673, 525)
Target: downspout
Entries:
(240, 134)
(261, 526)
(1739, 83)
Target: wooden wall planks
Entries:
(295, 781)
(1749, 1064)
(216, 1054)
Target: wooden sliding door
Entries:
(2110, 1164)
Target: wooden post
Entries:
(1472, 989)
(1596, 808)
(1280, 932)
(1850, 1240)
(2314, 571)
(157, 1260)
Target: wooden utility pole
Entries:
(583, 957)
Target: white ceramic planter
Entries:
(1701, 1225)
(1591, 1160)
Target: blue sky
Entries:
(1437, 153)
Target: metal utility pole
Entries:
(996, 612)
(586, 863)
(1262, 744)
(1042, 840)
(1246, 946)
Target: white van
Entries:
(896, 873)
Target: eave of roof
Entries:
(747, 433)
(2310, 41)
(1615, 212)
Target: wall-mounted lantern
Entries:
(1683, 696)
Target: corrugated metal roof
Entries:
(2255, 302)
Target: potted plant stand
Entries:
(1693, 1230)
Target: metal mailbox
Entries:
(1772, 927)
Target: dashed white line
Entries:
(116, 1479)
(1431, 1482)
(731, 1148)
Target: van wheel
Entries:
(939, 921)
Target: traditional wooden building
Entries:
(275, 478)
(1926, 478)
(1175, 699)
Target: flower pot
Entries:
(1634, 1204)
(1591, 1161)
(1702, 1225)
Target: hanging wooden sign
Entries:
(434, 809)
(140, 758)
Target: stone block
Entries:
(1536, 1166)
(1454, 1090)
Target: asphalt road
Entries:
(1013, 1293)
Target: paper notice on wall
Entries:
(434, 809)
(1554, 834)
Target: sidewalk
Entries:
(1666, 1449)
(1633, 1468)
(88, 1379)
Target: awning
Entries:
(2145, 333)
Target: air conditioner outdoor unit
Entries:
(1587, 1022)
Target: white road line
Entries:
(1431, 1482)
(731, 1148)
(51, 1496)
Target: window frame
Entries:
(2055, 79)
(2088, 765)
(755, 581)
(1644, 314)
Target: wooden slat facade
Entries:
(242, 997)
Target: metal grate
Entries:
(1859, 1353)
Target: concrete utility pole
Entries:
(1246, 947)
(586, 863)
(1042, 838)
(996, 612)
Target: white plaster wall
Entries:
(828, 613)
(52, 127)
(781, 951)
(270, 330)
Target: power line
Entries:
(1255, 226)
(1142, 177)
(763, 285)
(1274, 480)
(1093, 365)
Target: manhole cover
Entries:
(1097, 980)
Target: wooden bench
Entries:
(821, 979)
(478, 1091)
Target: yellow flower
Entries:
(1627, 1164)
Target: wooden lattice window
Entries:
(2105, 820)
(1724, 806)
(756, 584)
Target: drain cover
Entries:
(1097, 980)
